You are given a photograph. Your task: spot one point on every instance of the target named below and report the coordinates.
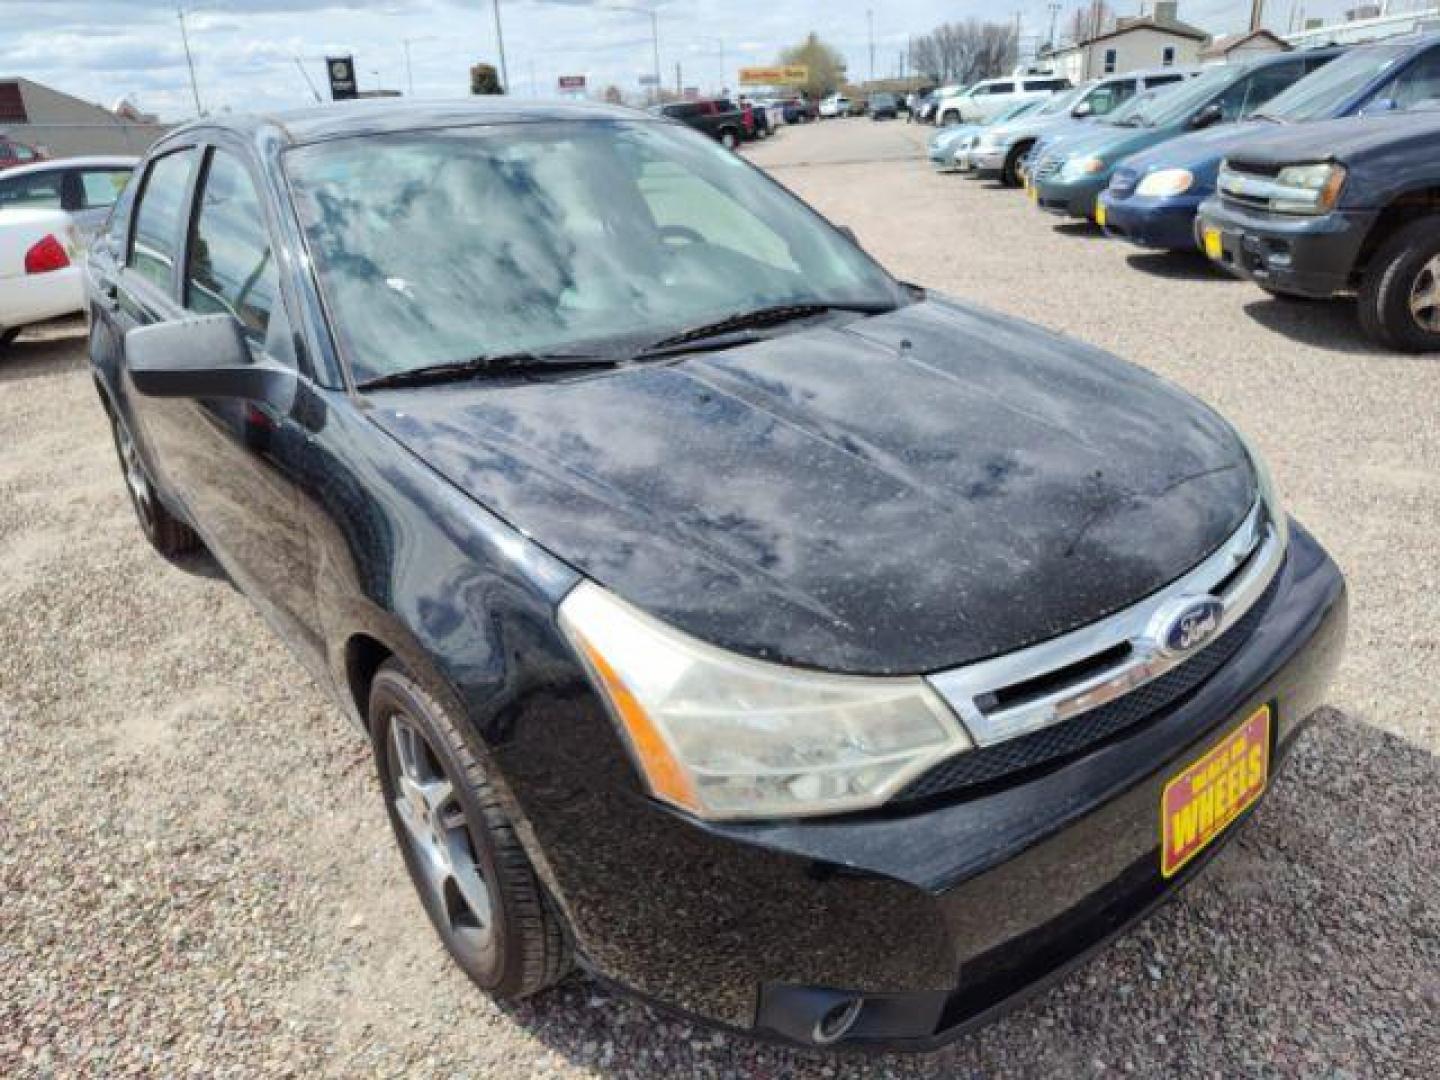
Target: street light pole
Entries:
(500, 43)
(870, 19)
(409, 71)
(655, 42)
(190, 62)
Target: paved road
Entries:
(196, 875)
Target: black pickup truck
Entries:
(719, 118)
(1346, 206)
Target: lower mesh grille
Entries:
(1048, 745)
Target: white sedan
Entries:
(85, 187)
(40, 271)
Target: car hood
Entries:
(905, 493)
(1034, 128)
(1344, 140)
(1199, 151)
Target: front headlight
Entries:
(724, 736)
(1076, 167)
(1266, 490)
(1308, 189)
(1165, 182)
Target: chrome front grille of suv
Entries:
(1112, 673)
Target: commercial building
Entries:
(65, 126)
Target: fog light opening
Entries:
(837, 1021)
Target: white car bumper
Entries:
(35, 298)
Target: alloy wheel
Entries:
(1425, 296)
(438, 834)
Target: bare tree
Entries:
(1090, 19)
(965, 52)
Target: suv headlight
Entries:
(1307, 189)
(1076, 167)
(724, 736)
(1165, 182)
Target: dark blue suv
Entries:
(1153, 196)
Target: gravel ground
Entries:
(196, 876)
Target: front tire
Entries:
(1010, 172)
(1399, 301)
(460, 848)
(728, 139)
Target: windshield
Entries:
(1318, 95)
(433, 247)
(1061, 102)
(1123, 114)
(1184, 98)
(1019, 109)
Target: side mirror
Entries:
(1081, 111)
(1210, 114)
(204, 357)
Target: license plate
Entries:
(1214, 246)
(1201, 802)
(1100, 214)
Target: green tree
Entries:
(485, 80)
(827, 66)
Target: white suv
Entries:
(833, 106)
(989, 97)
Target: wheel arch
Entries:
(1401, 209)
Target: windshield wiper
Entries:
(750, 320)
(497, 364)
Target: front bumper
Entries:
(1167, 224)
(1307, 256)
(989, 161)
(1075, 198)
(935, 919)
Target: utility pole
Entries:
(678, 92)
(409, 71)
(870, 21)
(190, 62)
(1257, 14)
(500, 44)
(1054, 17)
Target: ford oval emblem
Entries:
(1186, 625)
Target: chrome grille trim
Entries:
(1258, 545)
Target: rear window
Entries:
(996, 88)
(39, 191)
(100, 188)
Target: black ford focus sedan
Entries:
(804, 651)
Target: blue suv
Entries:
(1153, 196)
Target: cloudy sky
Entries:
(246, 50)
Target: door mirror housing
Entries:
(1081, 111)
(204, 357)
(1210, 114)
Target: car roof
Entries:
(352, 118)
(94, 161)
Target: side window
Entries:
(1110, 58)
(157, 218)
(1000, 88)
(100, 188)
(231, 267)
(1162, 80)
(1417, 84)
(40, 191)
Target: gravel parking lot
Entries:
(196, 875)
